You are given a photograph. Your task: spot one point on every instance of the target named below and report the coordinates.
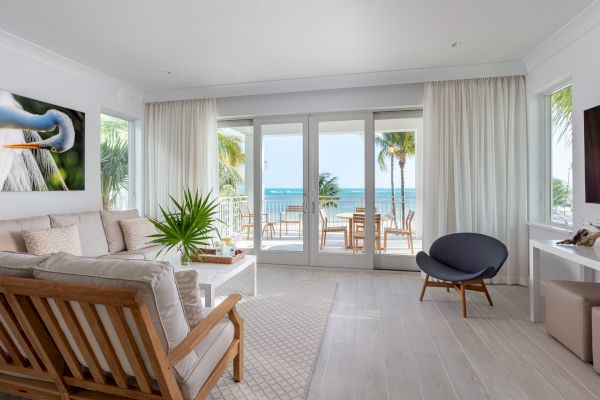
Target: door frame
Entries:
(344, 260)
(269, 256)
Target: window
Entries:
(561, 155)
(114, 163)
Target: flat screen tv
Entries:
(591, 124)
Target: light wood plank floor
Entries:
(382, 343)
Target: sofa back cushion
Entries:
(18, 265)
(91, 231)
(11, 238)
(155, 281)
(113, 230)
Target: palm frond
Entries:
(190, 224)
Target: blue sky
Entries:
(341, 155)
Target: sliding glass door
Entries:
(337, 190)
(343, 224)
(281, 190)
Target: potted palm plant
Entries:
(189, 226)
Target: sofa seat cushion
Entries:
(209, 351)
(113, 230)
(154, 280)
(123, 255)
(19, 265)
(11, 236)
(148, 253)
(91, 231)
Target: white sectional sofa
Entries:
(176, 359)
(100, 233)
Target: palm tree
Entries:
(562, 115)
(329, 189)
(231, 157)
(560, 193)
(400, 146)
(114, 155)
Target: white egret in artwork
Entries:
(25, 160)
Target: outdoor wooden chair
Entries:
(246, 222)
(358, 231)
(362, 209)
(287, 217)
(406, 231)
(111, 333)
(326, 228)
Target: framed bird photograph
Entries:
(42, 145)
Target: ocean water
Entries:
(277, 199)
(274, 193)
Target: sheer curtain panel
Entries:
(475, 146)
(180, 146)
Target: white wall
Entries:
(28, 70)
(570, 55)
(320, 101)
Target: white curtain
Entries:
(475, 172)
(180, 146)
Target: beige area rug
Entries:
(284, 327)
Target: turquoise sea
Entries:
(276, 199)
(274, 193)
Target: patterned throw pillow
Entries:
(53, 240)
(135, 232)
(187, 284)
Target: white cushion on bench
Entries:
(156, 282)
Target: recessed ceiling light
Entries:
(167, 72)
(456, 44)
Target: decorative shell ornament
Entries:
(583, 237)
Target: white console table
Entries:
(587, 257)
(211, 276)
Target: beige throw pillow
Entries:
(135, 232)
(191, 298)
(53, 240)
(113, 230)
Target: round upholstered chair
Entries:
(462, 261)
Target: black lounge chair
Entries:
(462, 261)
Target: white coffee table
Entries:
(211, 276)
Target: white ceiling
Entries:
(223, 42)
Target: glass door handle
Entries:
(305, 204)
(314, 206)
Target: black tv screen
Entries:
(591, 124)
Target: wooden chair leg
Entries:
(425, 280)
(487, 294)
(324, 238)
(463, 300)
(345, 238)
(411, 245)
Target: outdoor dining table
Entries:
(350, 217)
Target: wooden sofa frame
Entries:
(51, 369)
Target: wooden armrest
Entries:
(200, 331)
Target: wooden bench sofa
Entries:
(64, 338)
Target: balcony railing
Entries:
(232, 208)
